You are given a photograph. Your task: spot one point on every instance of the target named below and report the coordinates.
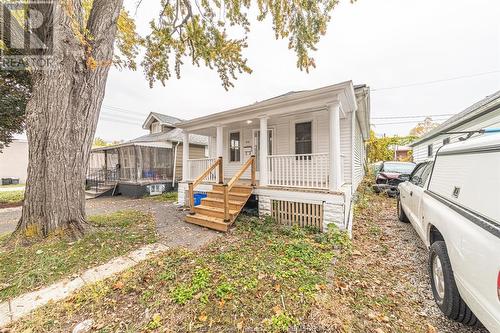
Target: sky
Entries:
(381, 43)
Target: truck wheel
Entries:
(401, 213)
(445, 289)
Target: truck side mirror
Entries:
(404, 177)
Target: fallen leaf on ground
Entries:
(118, 285)
(431, 329)
(277, 310)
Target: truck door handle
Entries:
(411, 193)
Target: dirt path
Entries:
(169, 220)
(384, 285)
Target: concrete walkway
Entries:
(172, 232)
(22, 305)
(171, 229)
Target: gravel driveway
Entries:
(172, 230)
(383, 287)
(413, 249)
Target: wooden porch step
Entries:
(219, 203)
(233, 196)
(215, 212)
(236, 188)
(208, 221)
(210, 213)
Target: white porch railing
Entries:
(198, 166)
(303, 170)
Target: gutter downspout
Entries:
(175, 164)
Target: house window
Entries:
(446, 141)
(430, 150)
(155, 127)
(303, 138)
(234, 147)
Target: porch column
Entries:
(211, 153)
(335, 164)
(220, 141)
(185, 156)
(106, 160)
(263, 175)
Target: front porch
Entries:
(306, 149)
(295, 172)
(300, 164)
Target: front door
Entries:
(256, 144)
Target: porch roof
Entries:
(292, 102)
(162, 140)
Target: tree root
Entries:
(27, 235)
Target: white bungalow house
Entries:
(303, 171)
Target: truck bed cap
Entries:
(485, 142)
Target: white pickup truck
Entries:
(453, 202)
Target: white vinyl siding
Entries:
(284, 140)
(359, 157)
(491, 119)
(346, 146)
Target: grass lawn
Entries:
(165, 197)
(261, 276)
(24, 269)
(11, 197)
(11, 185)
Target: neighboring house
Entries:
(148, 164)
(483, 114)
(401, 153)
(14, 160)
(309, 162)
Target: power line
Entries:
(435, 81)
(422, 116)
(119, 108)
(123, 116)
(399, 122)
(127, 112)
(115, 120)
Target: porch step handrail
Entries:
(198, 165)
(244, 167)
(192, 185)
(227, 187)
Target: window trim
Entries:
(430, 150)
(302, 121)
(273, 143)
(229, 146)
(156, 127)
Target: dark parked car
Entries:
(390, 175)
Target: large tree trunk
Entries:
(61, 121)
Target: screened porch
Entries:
(134, 163)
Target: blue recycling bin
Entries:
(198, 197)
